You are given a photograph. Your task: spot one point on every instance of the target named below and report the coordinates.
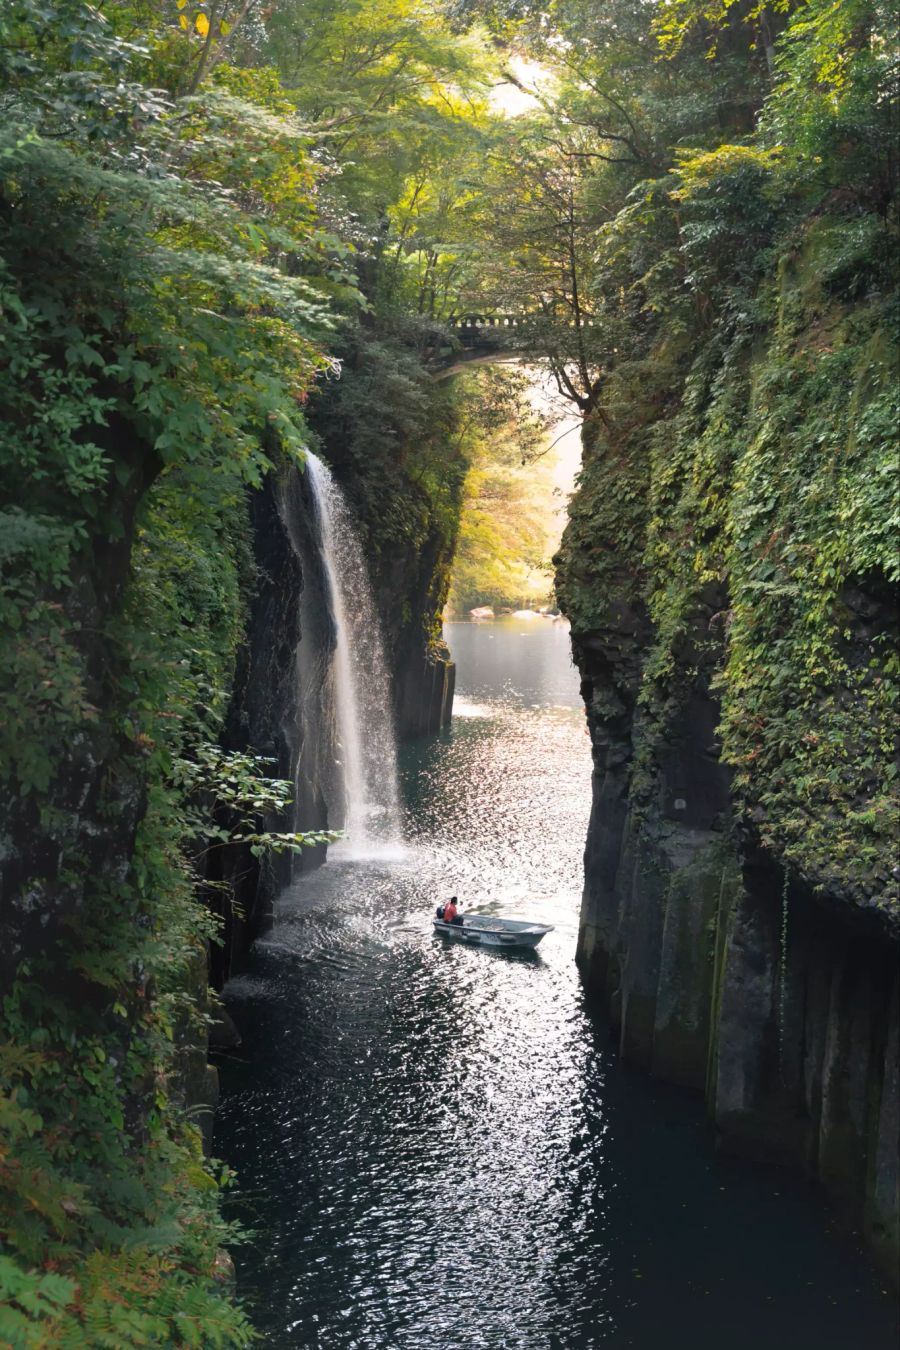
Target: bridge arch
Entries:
(490, 339)
(482, 339)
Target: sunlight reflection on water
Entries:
(437, 1150)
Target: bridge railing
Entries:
(468, 323)
(482, 335)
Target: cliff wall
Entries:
(263, 712)
(731, 589)
(393, 438)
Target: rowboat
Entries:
(486, 931)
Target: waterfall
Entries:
(364, 725)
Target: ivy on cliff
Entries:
(164, 290)
(739, 491)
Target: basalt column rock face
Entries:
(804, 1063)
(780, 1005)
(660, 867)
(96, 797)
(409, 585)
(767, 982)
(610, 669)
(423, 670)
(279, 673)
(390, 435)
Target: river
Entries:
(437, 1147)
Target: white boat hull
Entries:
(480, 930)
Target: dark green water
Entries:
(437, 1148)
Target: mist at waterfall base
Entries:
(437, 1147)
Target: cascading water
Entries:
(364, 725)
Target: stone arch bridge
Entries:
(480, 339)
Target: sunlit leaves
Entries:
(677, 20)
(163, 299)
(748, 466)
(203, 21)
(389, 89)
(834, 102)
(215, 781)
(507, 518)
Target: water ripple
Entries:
(436, 1148)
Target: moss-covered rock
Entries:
(730, 573)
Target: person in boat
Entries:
(451, 913)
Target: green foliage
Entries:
(164, 290)
(834, 103)
(811, 682)
(738, 500)
(507, 519)
(390, 89)
(216, 782)
(697, 221)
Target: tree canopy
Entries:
(228, 228)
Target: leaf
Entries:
(224, 28)
(183, 21)
(201, 23)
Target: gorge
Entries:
(247, 439)
(440, 1147)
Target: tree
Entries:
(508, 509)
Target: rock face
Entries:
(391, 434)
(96, 796)
(410, 587)
(718, 972)
(263, 719)
(734, 611)
(424, 700)
(410, 580)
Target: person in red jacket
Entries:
(450, 910)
